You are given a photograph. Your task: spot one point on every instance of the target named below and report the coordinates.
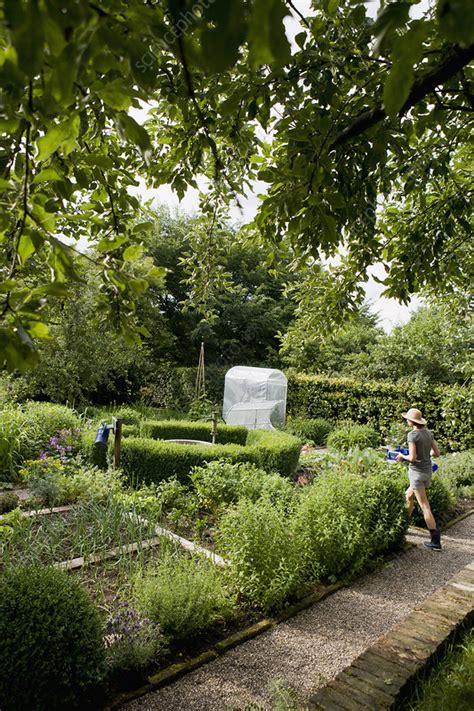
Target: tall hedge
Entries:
(448, 409)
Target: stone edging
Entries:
(385, 673)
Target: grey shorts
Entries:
(419, 480)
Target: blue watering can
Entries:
(102, 436)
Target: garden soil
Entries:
(311, 648)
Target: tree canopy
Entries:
(360, 132)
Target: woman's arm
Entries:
(411, 456)
(435, 449)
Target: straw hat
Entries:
(414, 415)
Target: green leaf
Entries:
(28, 244)
(407, 51)
(132, 131)
(64, 74)
(267, 40)
(220, 44)
(36, 329)
(115, 94)
(61, 262)
(63, 136)
(7, 286)
(46, 175)
(28, 40)
(133, 252)
(391, 17)
(108, 245)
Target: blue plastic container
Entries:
(392, 456)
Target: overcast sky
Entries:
(391, 313)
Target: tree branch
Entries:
(422, 86)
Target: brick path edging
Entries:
(385, 673)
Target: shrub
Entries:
(344, 519)
(349, 436)
(457, 470)
(45, 480)
(149, 460)
(8, 502)
(133, 641)
(25, 432)
(310, 430)
(183, 595)
(221, 483)
(51, 647)
(264, 555)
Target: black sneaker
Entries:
(432, 545)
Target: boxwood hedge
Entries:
(183, 429)
(151, 460)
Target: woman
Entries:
(421, 445)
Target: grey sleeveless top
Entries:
(423, 440)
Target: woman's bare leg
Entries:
(425, 507)
(410, 497)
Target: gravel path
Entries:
(313, 647)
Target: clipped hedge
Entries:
(448, 409)
(274, 451)
(183, 429)
(153, 460)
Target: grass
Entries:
(450, 685)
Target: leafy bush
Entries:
(221, 483)
(265, 557)
(457, 471)
(310, 430)
(8, 502)
(56, 483)
(356, 461)
(46, 481)
(25, 432)
(349, 435)
(51, 647)
(344, 519)
(133, 641)
(183, 595)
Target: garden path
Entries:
(314, 646)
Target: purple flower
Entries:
(44, 455)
